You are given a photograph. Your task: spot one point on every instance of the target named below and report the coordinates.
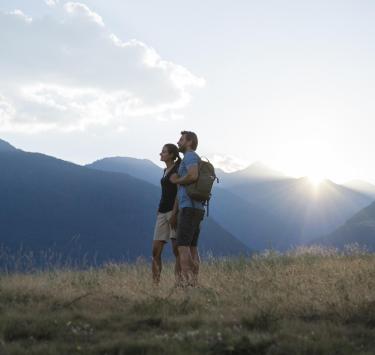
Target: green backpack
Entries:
(201, 189)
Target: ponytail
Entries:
(173, 149)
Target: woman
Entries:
(167, 213)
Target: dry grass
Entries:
(308, 301)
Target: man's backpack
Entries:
(201, 189)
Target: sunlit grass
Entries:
(308, 301)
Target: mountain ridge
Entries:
(5, 146)
(359, 229)
(45, 201)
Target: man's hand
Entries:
(173, 221)
(174, 178)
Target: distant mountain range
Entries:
(309, 210)
(6, 147)
(358, 229)
(108, 207)
(255, 173)
(363, 187)
(255, 227)
(262, 207)
(81, 212)
(140, 168)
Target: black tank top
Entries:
(168, 191)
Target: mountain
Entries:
(6, 147)
(252, 225)
(84, 213)
(358, 229)
(140, 168)
(256, 227)
(263, 208)
(361, 186)
(310, 211)
(254, 173)
(147, 170)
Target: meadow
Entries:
(307, 301)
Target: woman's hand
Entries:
(173, 221)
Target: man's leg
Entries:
(177, 267)
(186, 263)
(157, 248)
(187, 236)
(195, 262)
(198, 217)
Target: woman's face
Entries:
(165, 155)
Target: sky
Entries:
(289, 83)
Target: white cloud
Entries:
(51, 2)
(81, 10)
(21, 15)
(228, 163)
(7, 111)
(68, 71)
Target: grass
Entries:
(308, 301)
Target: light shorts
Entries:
(163, 230)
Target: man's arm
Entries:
(189, 178)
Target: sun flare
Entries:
(316, 179)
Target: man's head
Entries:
(188, 141)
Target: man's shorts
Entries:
(163, 230)
(188, 226)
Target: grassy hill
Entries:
(308, 301)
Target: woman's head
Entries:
(170, 152)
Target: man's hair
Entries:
(192, 137)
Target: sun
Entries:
(316, 179)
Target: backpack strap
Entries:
(192, 201)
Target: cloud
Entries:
(82, 11)
(21, 15)
(228, 163)
(51, 2)
(68, 71)
(7, 111)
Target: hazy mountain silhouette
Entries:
(358, 229)
(6, 147)
(47, 202)
(263, 208)
(254, 173)
(249, 223)
(256, 227)
(140, 168)
(311, 211)
(361, 186)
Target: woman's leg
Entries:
(157, 248)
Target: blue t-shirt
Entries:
(190, 159)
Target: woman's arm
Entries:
(173, 218)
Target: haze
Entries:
(287, 83)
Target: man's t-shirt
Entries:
(190, 159)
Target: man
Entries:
(191, 212)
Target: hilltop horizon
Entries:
(255, 167)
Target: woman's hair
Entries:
(173, 149)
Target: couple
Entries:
(179, 216)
